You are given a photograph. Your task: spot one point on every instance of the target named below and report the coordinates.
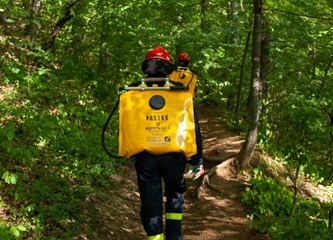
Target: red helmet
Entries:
(160, 53)
(183, 57)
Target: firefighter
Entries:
(187, 77)
(152, 169)
(184, 61)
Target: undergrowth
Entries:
(51, 156)
(275, 211)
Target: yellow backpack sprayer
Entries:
(186, 77)
(154, 118)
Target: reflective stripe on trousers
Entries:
(156, 237)
(173, 226)
(174, 216)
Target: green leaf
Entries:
(13, 178)
(5, 175)
(31, 152)
(28, 153)
(14, 231)
(10, 132)
(10, 178)
(17, 195)
(22, 228)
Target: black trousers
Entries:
(151, 169)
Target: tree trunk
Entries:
(204, 29)
(322, 84)
(32, 27)
(234, 20)
(241, 77)
(233, 39)
(246, 153)
(330, 115)
(204, 19)
(61, 22)
(314, 60)
(264, 58)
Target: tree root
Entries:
(206, 179)
(218, 158)
(206, 183)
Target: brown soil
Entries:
(214, 212)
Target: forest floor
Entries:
(211, 213)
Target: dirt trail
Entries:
(218, 213)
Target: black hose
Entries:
(104, 130)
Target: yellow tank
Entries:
(156, 121)
(186, 77)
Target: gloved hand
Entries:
(196, 170)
